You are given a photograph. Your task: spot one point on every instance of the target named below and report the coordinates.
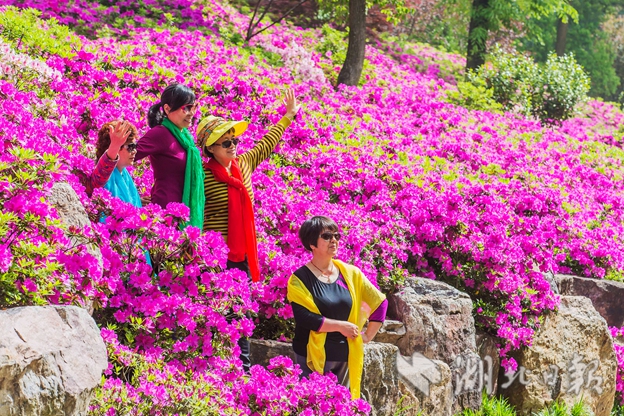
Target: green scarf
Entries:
(193, 195)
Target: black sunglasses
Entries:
(228, 143)
(328, 236)
(130, 146)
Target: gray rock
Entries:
(51, 359)
(439, 325)
(571, 357)
(490, 357)
(390, 332)
(467, 374)
(380, 381)
(429, 381)
(262, 351)
(437, 317)
(552, 281)
(606, 295)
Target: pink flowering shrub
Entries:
(38, 253)
(484, 201)
(139, 385)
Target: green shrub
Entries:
(474, 96)
(27, 32)
(549, 91)
(561, 409)
(495, 406)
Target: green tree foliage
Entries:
(490, 15)
(548, 91)
(591, 46)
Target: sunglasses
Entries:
(228, 143)
(328, 236)
(130, 146)
(189, 108)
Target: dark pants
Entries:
(243, 342)
(338, 368)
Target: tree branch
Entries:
(280, 19)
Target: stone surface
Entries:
(439, 325)
(467, 378)
(51, 359)
(262, 351)
(437, 317)
(552, 281)
(573, 351)
(606, 295)
(390, 332)
(488, 352)
(380, 381)
(429, 381)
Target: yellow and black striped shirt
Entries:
(216, 208)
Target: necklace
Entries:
(323, 274)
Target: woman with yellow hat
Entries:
(229, 198)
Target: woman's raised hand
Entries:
(119, 133)
(292, 107)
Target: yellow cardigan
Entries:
(365, 297)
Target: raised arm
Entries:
(118, 134)
(263, 149)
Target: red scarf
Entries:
(241, 225)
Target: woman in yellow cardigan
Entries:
(331, 302)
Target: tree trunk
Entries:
(352, 67)
(562, 31)
(477, 34)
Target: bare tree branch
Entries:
(273, 23)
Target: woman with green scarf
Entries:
(176, 162)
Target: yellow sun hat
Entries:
(211, 128)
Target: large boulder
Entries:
(437, 317)
(571, 357)
(51, 359)
(439, 325)
(606, 295)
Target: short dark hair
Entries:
(176, 95)
(311, 230)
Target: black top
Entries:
(334, 301)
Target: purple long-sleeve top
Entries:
(168, 160)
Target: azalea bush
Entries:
(37, 251)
